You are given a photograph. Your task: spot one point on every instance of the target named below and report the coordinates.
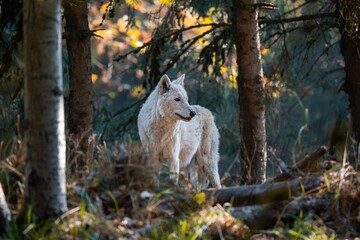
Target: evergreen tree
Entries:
(251, 89)
(80, 117)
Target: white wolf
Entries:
(174, 131)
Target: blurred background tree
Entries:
(348, 13)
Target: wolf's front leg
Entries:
(172, 152)
(156, 168)
(174, 168)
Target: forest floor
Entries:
(115, 198)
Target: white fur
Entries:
(169, 128)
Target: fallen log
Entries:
(264, 193)
(260, 216)
(333, 199)
(310, 164)
(265, 216)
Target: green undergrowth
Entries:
(307, 227)
(117, 199)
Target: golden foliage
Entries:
(166, 2)
(200, 197)
(136, 5)
(265, 51)
(137, 91)
(94, 77)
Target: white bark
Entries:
(5, 214)
(44, 109)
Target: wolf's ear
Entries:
(164, 84)
(180, 80)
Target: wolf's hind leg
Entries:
(196, 176)
(212, 172)
(203, 181)
(192, 175)
(208, 168)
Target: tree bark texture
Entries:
(80, 117)
(349, 19)
(264, 216)
(251, 92)
(5, 214)
(45, 189)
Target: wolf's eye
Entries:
(177, 99)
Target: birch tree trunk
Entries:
(5, 214)
(251, 92)
(80, 118)
(45, 189)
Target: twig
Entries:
(118, 113)
(264, 5)
(177, 32)
(184, 50)
(281, 164)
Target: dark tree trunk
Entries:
(80, 118)
(349, 15)
(251, 92)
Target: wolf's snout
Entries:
(192, 113)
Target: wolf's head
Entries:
(173, 100)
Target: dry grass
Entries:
(116, 197)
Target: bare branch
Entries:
(119, 113)
(177, 32)
(297, 19)
(264, 5)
